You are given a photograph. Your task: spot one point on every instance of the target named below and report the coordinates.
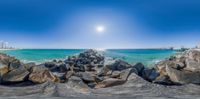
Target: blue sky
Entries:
(127, 23)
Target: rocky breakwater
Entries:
(82, 72)
(90, 74)
(182, 68)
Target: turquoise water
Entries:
(146, 56)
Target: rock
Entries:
(91, 85)
(110, 82)
(64, 67)
(192, 65)
(28, 66)
(103, 71)
(14, 65)
(77, 84)
(41, 75)
(194, 54)
(161, 66)
(126, 73)
(5, 59)
(3, 69)
(164, 80)
(99, 79)
(61, 76)
(89, 67)
(118, 65)
(16, 75)
(183, 76)
(113, 65)
(149, 74)
(85, 76)
(50, 65)
(79, 68)
(139, 67)
(115, 74)
(69, 74)
(176, 65)
(54, 61)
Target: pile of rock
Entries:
(91, 72)
(12, 72)
(183, 68)
(89, 69)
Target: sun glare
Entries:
(100, 29)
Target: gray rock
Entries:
(183, 76)
(118, 65)
(69, 74)
(3, 69)
(192, 65)
(126, 73)
(194, 54)
(41, 74)
(28, 66)
(91, 84)
(115, 74)
(139, 67)
(150, 74)
(77, 84)
(50, 65)
(63, 67)
(85, 76)
(14, 65)
(16, 75)
(164, 80)
(110, 82)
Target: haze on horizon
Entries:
(100, 23)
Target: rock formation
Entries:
(90, 74)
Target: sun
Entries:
(100, 29)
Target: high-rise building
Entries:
(1, 45)
(4, 45)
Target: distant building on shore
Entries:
(5, 45)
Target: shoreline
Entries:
(7, 49)
(126, 55)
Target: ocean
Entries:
(146, 56)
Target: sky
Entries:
(75, 23)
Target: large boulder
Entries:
(127, 72)
(150, 74)
(161, 66)
(16, 75)
(55, 66)
(118, 65)
(3, 69)
(86, 76)
(14, 65)
(110, 82)
(111, 65)
(5, 59)
(41, 74)
(69, 74)
(194, 54)
(192, 65)
(139, 67)
(183, 76)
(115, 74)
(8, 63)
(164, 80)
(77, 84)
